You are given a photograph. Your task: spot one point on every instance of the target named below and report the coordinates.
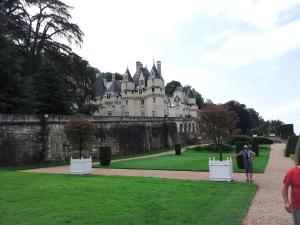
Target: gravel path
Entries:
(267, 205)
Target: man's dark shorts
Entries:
(248, 166)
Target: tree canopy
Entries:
(39, 71)
(217, 122)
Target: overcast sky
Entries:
(246, 50)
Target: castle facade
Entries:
(142, 95)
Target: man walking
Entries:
(247, 155)
(292, 205)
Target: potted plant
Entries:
(80, 132)
(217, 123)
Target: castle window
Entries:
(193, 128)
(141, 82)
(153, 100)
(152, 80)
(108, 96)
(180, 128)
(142, 102)
(140, 91)
(109, 113)
(153, 89)
(153, 113)
(126, 102)
(125, 92)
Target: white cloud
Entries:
(244, 48)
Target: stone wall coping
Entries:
(61, 119)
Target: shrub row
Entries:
(248, 140)
(214, 148)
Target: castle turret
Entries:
(127, 81)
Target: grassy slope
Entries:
(189, 160)
(53, 199)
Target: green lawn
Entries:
(189, 160)
(52, 199)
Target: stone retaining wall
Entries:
(40, 138)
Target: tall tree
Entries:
(244, 118)
(37, 26)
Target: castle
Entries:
(142, 95)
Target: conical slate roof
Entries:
(155, 73)
(190, 94)
(127, 73)
(115, 87)
(145, 72)
(178, 88)
(99, 87)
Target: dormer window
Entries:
(108, 96)
(140, 91)
(142, 82)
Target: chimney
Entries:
(139, 66)
(159, 67)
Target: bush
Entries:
(262, 140)
(255, 148)
(290, 145)
(239, 138)
(224, 148)
(297, 152)
(177, 149)
(239, 159)
(104, 156)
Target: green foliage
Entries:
(290, 145)
(214, 148)
(38, 73)
(108, 76)
(80, 133)
(171, 86)
(177, 149)
(105, 155)
(239, 138)
(287, 130)
(262, 140)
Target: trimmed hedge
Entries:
(239, 159)
(290, 145)
(263, 140)
(177, 149)
(287, 130)
(255, 148)
(104, 155)
(224, 148)
(297, 152)
(239, 138)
